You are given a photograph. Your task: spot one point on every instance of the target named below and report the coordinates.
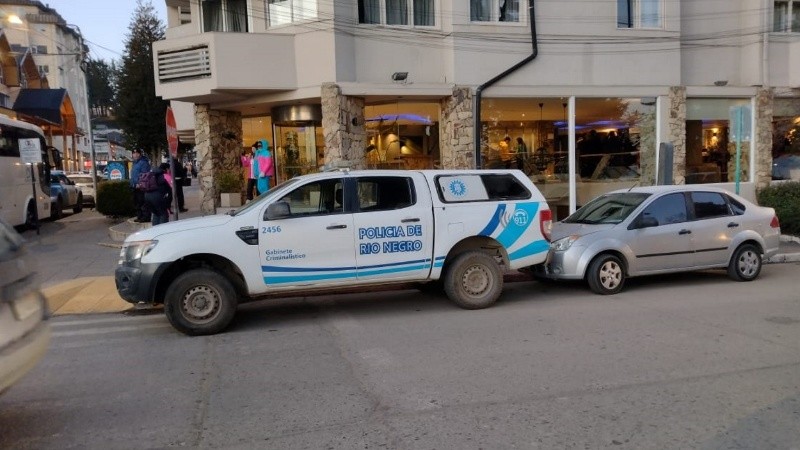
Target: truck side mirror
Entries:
(277, 210)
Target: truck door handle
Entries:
(733, 225)
(410, 220)
(336, 227)
(685, 231)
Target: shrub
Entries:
(115, 198)
(229, 182)
(785, 198)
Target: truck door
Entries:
(314, 245)
(393, 220)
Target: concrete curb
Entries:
(122, 230)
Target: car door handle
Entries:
(685, 231)
(336, 227)
(733, 225)
(416, 219)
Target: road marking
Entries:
(58, 323)
(110, 330)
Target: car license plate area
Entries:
(26, 306)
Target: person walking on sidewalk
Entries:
(159, 196)
(140, 165)
(180, 176)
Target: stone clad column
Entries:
(676, 132)
(343, 127)
(763, 134)
(218, 142)
(456, 130)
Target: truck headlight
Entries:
(564, 244)
(136, 250)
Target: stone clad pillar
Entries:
(218, 142)
(676, 132)
(343, 127)
(456, 147)
(763, 135)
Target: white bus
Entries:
(17, 190)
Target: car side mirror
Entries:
(277, 210)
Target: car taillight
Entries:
(546, 223)
(775, 223)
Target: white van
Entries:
(341, 229)
(24, 193)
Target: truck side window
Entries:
(504, 187)
(317, 198)
(385, 193)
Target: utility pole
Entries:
(83, 64)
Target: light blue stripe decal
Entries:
(439, 263)
(367, 273)
(530, 249)
(302, 278)
(495, 221)
(304, 269)
(518, 222)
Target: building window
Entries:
(639, 14)
(41, 49)
(711, 140)
(224, 15)
(281, 12)
(420, 13)
(44, 70)
(494, 10)
(786, 17)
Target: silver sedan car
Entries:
(661, 229)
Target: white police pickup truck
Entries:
(341, 229)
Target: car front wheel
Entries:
(78, 206)
(606, 275)
(200, 302)
(745, 265)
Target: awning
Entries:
(42, 103)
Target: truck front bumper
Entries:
(137, 283)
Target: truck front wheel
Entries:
(473, 280)
(200, 302)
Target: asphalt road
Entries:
(689, 361)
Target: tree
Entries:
(102, 79)
(140, 113)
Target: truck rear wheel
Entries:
(200, 302)
(473, 280)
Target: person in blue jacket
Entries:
(140, 165)
(263, 166)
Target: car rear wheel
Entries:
(78, 206)
(200, 302)
(745, 265)
(473, 280)
(58, 209)
(606, 275)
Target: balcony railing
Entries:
(186, 64)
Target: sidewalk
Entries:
(85, 295)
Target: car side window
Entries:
(385, 193)
(667, 209)
(315, 199)
(709, 204)
(736, 206)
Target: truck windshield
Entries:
(609, 208)
(275, 191)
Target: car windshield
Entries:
(609, 208)
(269, 194)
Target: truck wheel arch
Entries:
(480, 243)
(218, 263)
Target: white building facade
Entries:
(58, 50)
(609, 87)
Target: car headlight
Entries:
(136, 250)
(564, 244)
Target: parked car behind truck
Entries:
(341, 229)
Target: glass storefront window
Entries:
(300, 149)
(402, 135)
(711, 143)
(786, 140)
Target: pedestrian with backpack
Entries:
(140, 165)
(157, 194)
